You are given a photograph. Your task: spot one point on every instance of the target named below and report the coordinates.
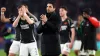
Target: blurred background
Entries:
(37, 7)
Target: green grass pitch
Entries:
(71, 54)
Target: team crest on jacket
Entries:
(65, 23)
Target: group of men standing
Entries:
(58, 32)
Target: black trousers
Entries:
(7, 47)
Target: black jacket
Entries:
(50, 35)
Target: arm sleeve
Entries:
(94, 22)
(12, 19)
(72, 24)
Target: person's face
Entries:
(19, 10)
(80, 19)
(24, 7)
(62, 12)
(50, 8)
(84, 14)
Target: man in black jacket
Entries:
(89, 32)
(49, 27)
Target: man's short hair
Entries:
(88, 11)
(53, 3)
(22, 4)
(64, 7)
